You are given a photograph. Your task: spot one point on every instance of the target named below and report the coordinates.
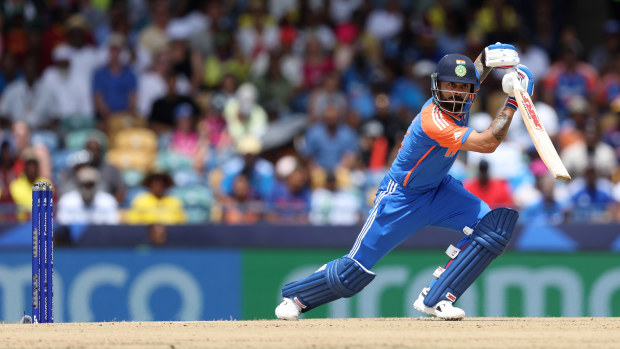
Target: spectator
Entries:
(592, 201)
(186, 62)
(331, 143)
(290, 201)
(602, 55)
(328, 93)
(573, 129)
(28, 99)
(88, 204)
(161, 119)
(157, 234)
(114, 85)
(497, 20)
(152, 39)
(21, 187)
(72, 98)
(568, 77)
(317, 63)
(85, 58)
(495, 192)
(577, 156)
(608, 88)
(257, 33)
(276, 92)
(152, 84)
(385, 23)
(548, 209)
(226, 59)
(23, 146)
(241, 207)
(532, 55)
(154, 205)
(259, 172)
(244, 116)
(332, 205)
(185, 137)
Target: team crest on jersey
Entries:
(460, 71)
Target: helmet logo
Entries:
(460, 71)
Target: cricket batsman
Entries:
(417, 191)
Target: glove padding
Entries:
(522, 77)
(501, 56)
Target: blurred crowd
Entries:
(286, 111)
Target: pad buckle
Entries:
(467, 230)
(437, 273)
(452, 251)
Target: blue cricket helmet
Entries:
(455, 67)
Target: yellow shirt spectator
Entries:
(147, 209)
(154, 206)
(21, 188)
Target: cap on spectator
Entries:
(61, 53)
(183, 111)
(249, 145)
(77, 21)
(578, 105)
(116, 40)
(246, 95)
(87, 174)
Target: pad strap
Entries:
(340, 278)
(489, 240)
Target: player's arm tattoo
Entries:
(499, 126)
(482, 70)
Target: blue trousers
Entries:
(399, 212)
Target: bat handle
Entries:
(516, 85)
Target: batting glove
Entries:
(501, 56)
(522, 79)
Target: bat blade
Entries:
(540, 137)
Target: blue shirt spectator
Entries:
(290, 201)
(115, 85)
(260, 172)
(330, 141)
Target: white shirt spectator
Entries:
(251, 42)
(338, 207)
(383, 24)
(32, 104)
(72, 210)
(152, 86)
(70, 97)
(279, 8)
(537, 60)
(548, 117)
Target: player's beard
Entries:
(453, 104)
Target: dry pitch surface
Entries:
(322, 333)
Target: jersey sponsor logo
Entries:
(531, 113)
(457, 134)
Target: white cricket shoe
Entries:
(444, 309)
(288, 310)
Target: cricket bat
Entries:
(539, 135)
